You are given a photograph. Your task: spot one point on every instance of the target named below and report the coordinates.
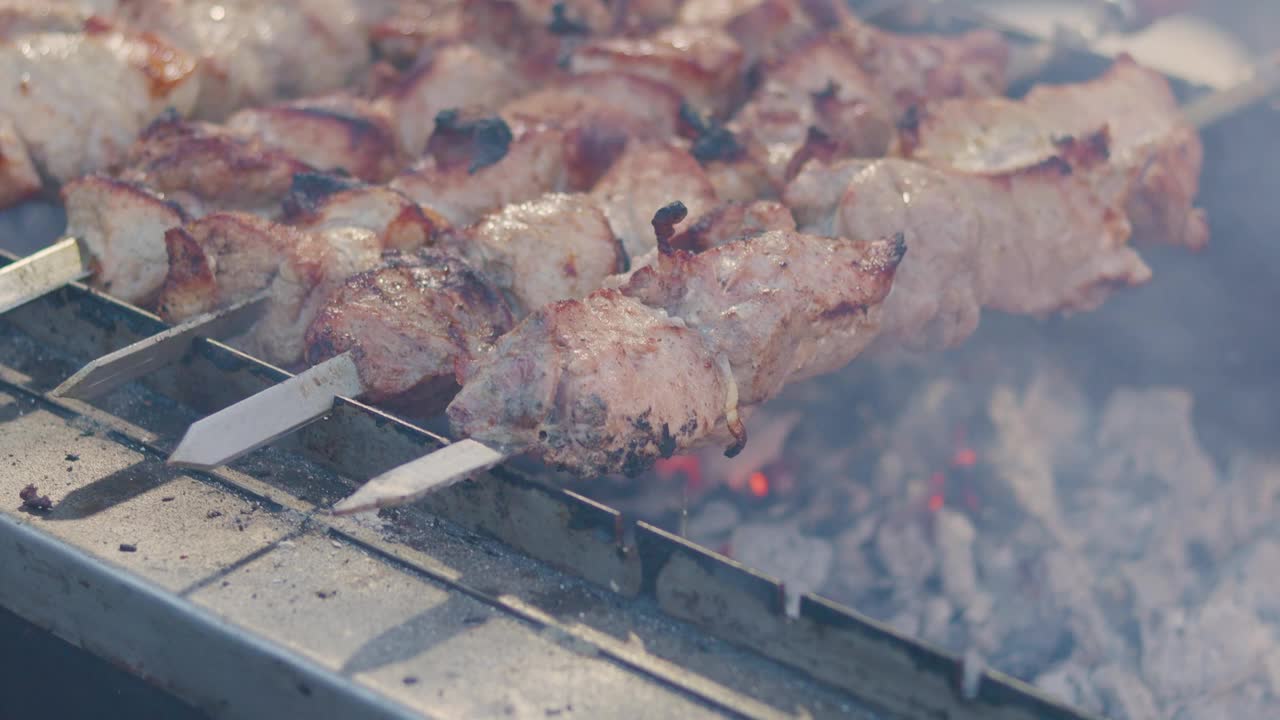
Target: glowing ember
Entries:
(965, 457)
(688, 465)
(758, 484)
(937, 491)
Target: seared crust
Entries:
(221, 258)
(410, 322)
(320, 201)
(328, 133)
(732, 221)
(1134, 104)
(206, 167)
(123, 226)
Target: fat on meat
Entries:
(53, 95)
(1134, 104)
(1051, 237)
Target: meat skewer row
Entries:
(1050, 238)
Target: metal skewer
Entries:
(464, 458)
(42, 272)
(133, 361)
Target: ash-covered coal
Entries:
(1082, 539)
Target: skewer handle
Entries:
(258, 419)
(133, 361)
(42, 272)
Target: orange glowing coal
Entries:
(688, 465)
(758, 484)
(937, 491)
(965, 457)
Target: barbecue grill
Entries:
(508, 594)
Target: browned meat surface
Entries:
(734, 221)
(409, 322)
(557, 247)
(123, 227)
(646, 177)
(221, 258)
(574, 381)
(913, 68)
(765, 29)
(207, 167)
(456, 75)
(634, 105)
(816, 86)
(254, 52)
(225, 257)
(1041, 239)
(703, 63)
(1135, 105)
(337, 132)
(76, 101)
(780, 306)
(479, 167)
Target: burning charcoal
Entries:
(1150, 432)
(935, 620)
(768, 437)
(32, 499)
(1188, 653)
(803, 563)
(1022, 462)
(1123, 694)
(905, 553)
(1250, 581)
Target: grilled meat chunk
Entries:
(478, 169)
(336, 132)
(206, 167)
(253, 52)
(816, 86)
(553, 248)
(19, 179)
(1134, 104)
(779, 307)
(456, 75)
(556, 247)
(122, 225)
(408, 322)
(646, 177)
(1046, 238)
(576, 380)
(703, 63)
(766, 30)
(53, 93)
(573, 381)
(225, 257)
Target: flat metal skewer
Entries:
(455, 462)
(265, 416)
(42, 272)
(133, 361)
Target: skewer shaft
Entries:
(129, 363)
(42, 272)
(1212, 107)
(261, 418)
(421, 477)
